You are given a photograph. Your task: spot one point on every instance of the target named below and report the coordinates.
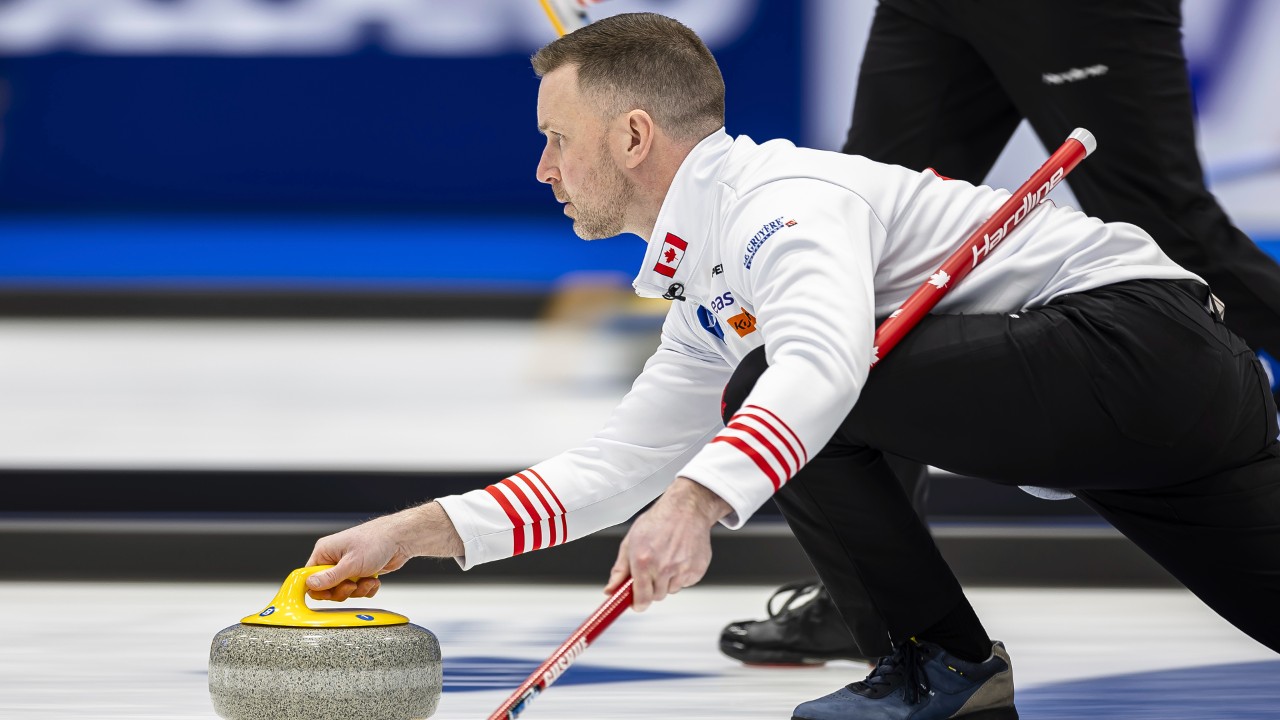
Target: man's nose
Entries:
(547, 172)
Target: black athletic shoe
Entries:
(805, 630)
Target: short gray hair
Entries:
(648, 62)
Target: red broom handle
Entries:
(1077, 147)
(564, 655)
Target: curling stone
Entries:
(290, 662)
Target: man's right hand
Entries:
(382, 545)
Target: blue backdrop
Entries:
(369, 131)
(364, 168)
(145, 143)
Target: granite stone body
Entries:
(295, 673)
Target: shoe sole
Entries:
(782, 658)
(1009, 713)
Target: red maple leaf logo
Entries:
(669, 256)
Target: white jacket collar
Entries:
(685, 222)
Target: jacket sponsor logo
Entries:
(672, 253)
(721, 302)
(744, 323)
(717, 270)
(757, 241)
(710, 323)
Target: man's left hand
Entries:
(669, 546)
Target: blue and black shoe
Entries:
(921, 681)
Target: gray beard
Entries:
(605, 219)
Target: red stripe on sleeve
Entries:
(765, 442)
(564, 524)
(534, 517)
(781, 438)
(751, 453)
(551, 515)
(550, 492)
(516, 523)
(785, 427)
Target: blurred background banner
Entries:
(314, 142)
(390, 144)
(310, 105)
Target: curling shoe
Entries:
(805, 630)
(921, 681)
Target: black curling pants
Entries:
(944, 83)
(1133, 396)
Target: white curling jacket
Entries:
(798, 250)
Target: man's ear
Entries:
(640, 134)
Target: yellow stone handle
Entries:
(289, 608)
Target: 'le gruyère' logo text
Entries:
(757, 240)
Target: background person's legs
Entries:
(1137, 101)
(925, 98)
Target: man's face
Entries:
(576, 161)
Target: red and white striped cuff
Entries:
(762, 436)
(537, 516)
